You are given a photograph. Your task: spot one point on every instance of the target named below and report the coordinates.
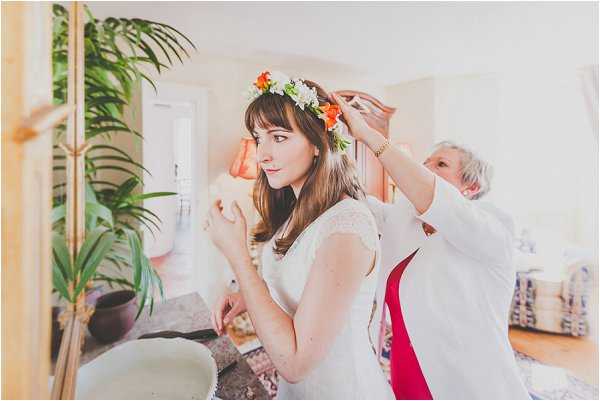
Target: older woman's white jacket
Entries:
(455, 294)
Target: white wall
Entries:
(466, 111)
(414, 119)
(547, 157)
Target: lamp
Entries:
(245, 165)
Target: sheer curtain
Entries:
(589, 86)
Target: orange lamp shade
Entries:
(245, 165)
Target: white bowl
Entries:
(150, 369)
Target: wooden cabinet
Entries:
(27, 121)
(370, 171)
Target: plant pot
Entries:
(114, 316)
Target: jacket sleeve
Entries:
(377, 208)
(476, 228)
(396, 213)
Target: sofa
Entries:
(553, 288)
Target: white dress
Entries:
(350, 370)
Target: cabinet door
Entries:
(27, 120)
(377, 115)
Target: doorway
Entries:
(174, 152)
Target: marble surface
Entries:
(189, 313)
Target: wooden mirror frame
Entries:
(74, 318)
(377, 115)
(28, 119)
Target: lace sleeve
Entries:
(346, 221)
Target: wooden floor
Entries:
(577, 355)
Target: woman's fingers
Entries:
(215, 209)
(235, 310)
(223, 303)
(348, 112)
(357, 124)
(344, 106)
(237, 212)
(213, 321)
(213, 317)
(235, 209)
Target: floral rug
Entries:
(543, 381)
(551, 383)
(263, 368)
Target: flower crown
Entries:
(305, 98)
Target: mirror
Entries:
(102, 270)
(141, 194)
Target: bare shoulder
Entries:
(345, 252)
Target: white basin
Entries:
(151, 369)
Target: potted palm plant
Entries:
(115, 312)
(117, 51)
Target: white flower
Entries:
(306, 95)
(252, 92)
(278, 82)
(315, 101)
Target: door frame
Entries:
(170, 92)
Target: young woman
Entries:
(312, 307)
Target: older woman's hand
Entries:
(229, 236)
(359, 128)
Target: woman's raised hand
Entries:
(227, 308)
(227, 235)
(357, 125)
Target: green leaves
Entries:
(92, 252)
(340, 142)
(145, 279)
(61, 258)
(93, 212)
(117, 52)
(59, 282)
(290, 90)
(58, 213)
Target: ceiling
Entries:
(391, 41)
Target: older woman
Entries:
(447, 274)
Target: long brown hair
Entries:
(332, 174)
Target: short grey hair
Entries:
(473, 169)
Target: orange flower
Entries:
(262, 80)
(332, 111)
